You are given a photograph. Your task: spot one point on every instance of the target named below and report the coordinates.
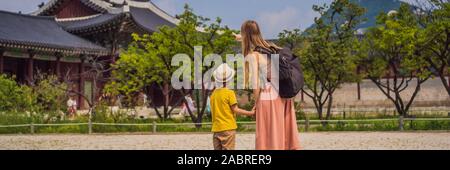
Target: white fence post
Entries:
(306, 124)
(90, 126)
(90, 121)
(32, 128)
(154, 127)
(400, 123)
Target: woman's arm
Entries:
(255, 76)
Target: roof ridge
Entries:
(45, 7)
(28, 15)
(145, 5)
(161, 9)
(154, 8)
(97, 3)
(78, 18)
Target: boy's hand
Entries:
(240, 111)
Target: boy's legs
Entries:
(216, 142)
(224, 140)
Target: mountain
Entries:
(373, 9)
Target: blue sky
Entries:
(272, 15)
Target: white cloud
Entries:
(170, 6)
(289, 18)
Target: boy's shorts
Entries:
(224, 140)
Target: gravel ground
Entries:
(244, 141)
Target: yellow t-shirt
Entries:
(223, 118)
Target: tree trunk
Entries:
(201, 108)
(151, 94)
(330, 103)
(319, 109)
(166, 99)
(445, 83)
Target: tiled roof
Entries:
(148, 20)
(145, 13)
(90, 23)
(43, 34)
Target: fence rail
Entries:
(307, 122)
(386, 110)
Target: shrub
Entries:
(50, 92)
(14, 97)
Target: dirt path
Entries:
(245, 141)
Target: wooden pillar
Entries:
(1, 61)
(30, 67)
(58, 65)
(302, 96)
(81, 82)
(114, 47)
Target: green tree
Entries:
(148, 58)
(15, 97)
(144, 63)
(43, 99)
(50, 95)
(50, 98)
(291, 39)
(434, 18)
(328, 59)
(392, 50)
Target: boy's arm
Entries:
(240, 111)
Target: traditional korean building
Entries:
(60, 36)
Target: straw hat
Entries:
(223, 73)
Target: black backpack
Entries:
(291, 79)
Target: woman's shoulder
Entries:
(254, 55)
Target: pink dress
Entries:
(276, 124)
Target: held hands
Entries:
(244, 112)
(253, 111)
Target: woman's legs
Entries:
(291, 128)
(276, 125)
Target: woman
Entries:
(276, 124)
(190, 103)
(72, 106)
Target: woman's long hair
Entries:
(252, 37)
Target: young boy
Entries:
(223, 107)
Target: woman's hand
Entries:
(238, 37)
(254, 112)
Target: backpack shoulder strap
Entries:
(266, 51)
